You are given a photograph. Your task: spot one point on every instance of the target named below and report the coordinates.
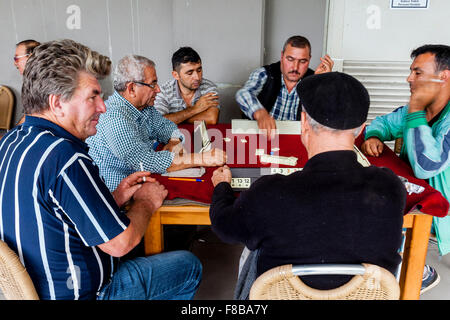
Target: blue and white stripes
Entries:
(55, 210)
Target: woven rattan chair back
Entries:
(280, 283)
(6, 107)
(15, 283)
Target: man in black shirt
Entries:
(334, 210)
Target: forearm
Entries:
(139, 215)
(226, 221)
(180, 116)
(247, 97)
(387, 127)
(210, 116)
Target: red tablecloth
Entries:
(242, 154)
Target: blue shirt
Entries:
(285, 107)
(55, 210)
(126, 137)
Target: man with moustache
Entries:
(131, 129)
(424, 125)
(188, 97)
(270, 93)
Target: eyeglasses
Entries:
(153, 86)
(16, 58)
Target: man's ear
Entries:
(303, 123)
(55, 107)
(175, 75)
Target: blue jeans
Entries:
(174, 275)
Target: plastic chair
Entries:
(15, 283)
(370, 282)
(6, 107)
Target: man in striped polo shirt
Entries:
(57, 214)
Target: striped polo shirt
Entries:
(55, 210)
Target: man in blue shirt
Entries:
(131, 128)
(57, 214)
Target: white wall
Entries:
(370, 30)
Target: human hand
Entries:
(129, 185)
(151, 192)
(211, 99)
(265, 123)
(222, 174)
(326, 65)
(423, 93)
(214, 158)
(372, 147)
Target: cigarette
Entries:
(436, 80)
(142, 169)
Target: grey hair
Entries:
(54, 68)
(316, 126)
(130, 69)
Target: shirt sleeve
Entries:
(428, 153)
(207, 87)
(387, 127)
(81, 196)
(127, 140)
(247, 96)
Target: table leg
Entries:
(154, 237)
(414, 257)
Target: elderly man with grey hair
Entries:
(131, 129)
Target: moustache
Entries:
(293, 72)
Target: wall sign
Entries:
(409, 4)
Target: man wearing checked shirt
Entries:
(270, 93)
(131, 128)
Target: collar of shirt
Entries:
(31, 121)
(117, 101)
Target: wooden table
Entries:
(417, 227)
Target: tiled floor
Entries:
(221, 260)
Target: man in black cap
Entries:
(333, 211)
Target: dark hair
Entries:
(29, 44)
(184, 55)
(441, 55)
(54, 67)
(298, 42)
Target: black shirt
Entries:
(333, 211)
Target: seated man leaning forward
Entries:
(131, 128)
(333, 211)
(269, 94)
(57, 214)
(188, 97)
(424, 125)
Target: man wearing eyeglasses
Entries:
(131, 129)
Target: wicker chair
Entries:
(370, 282)
(15, 283)
(6, 107)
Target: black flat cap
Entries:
(335, 100)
